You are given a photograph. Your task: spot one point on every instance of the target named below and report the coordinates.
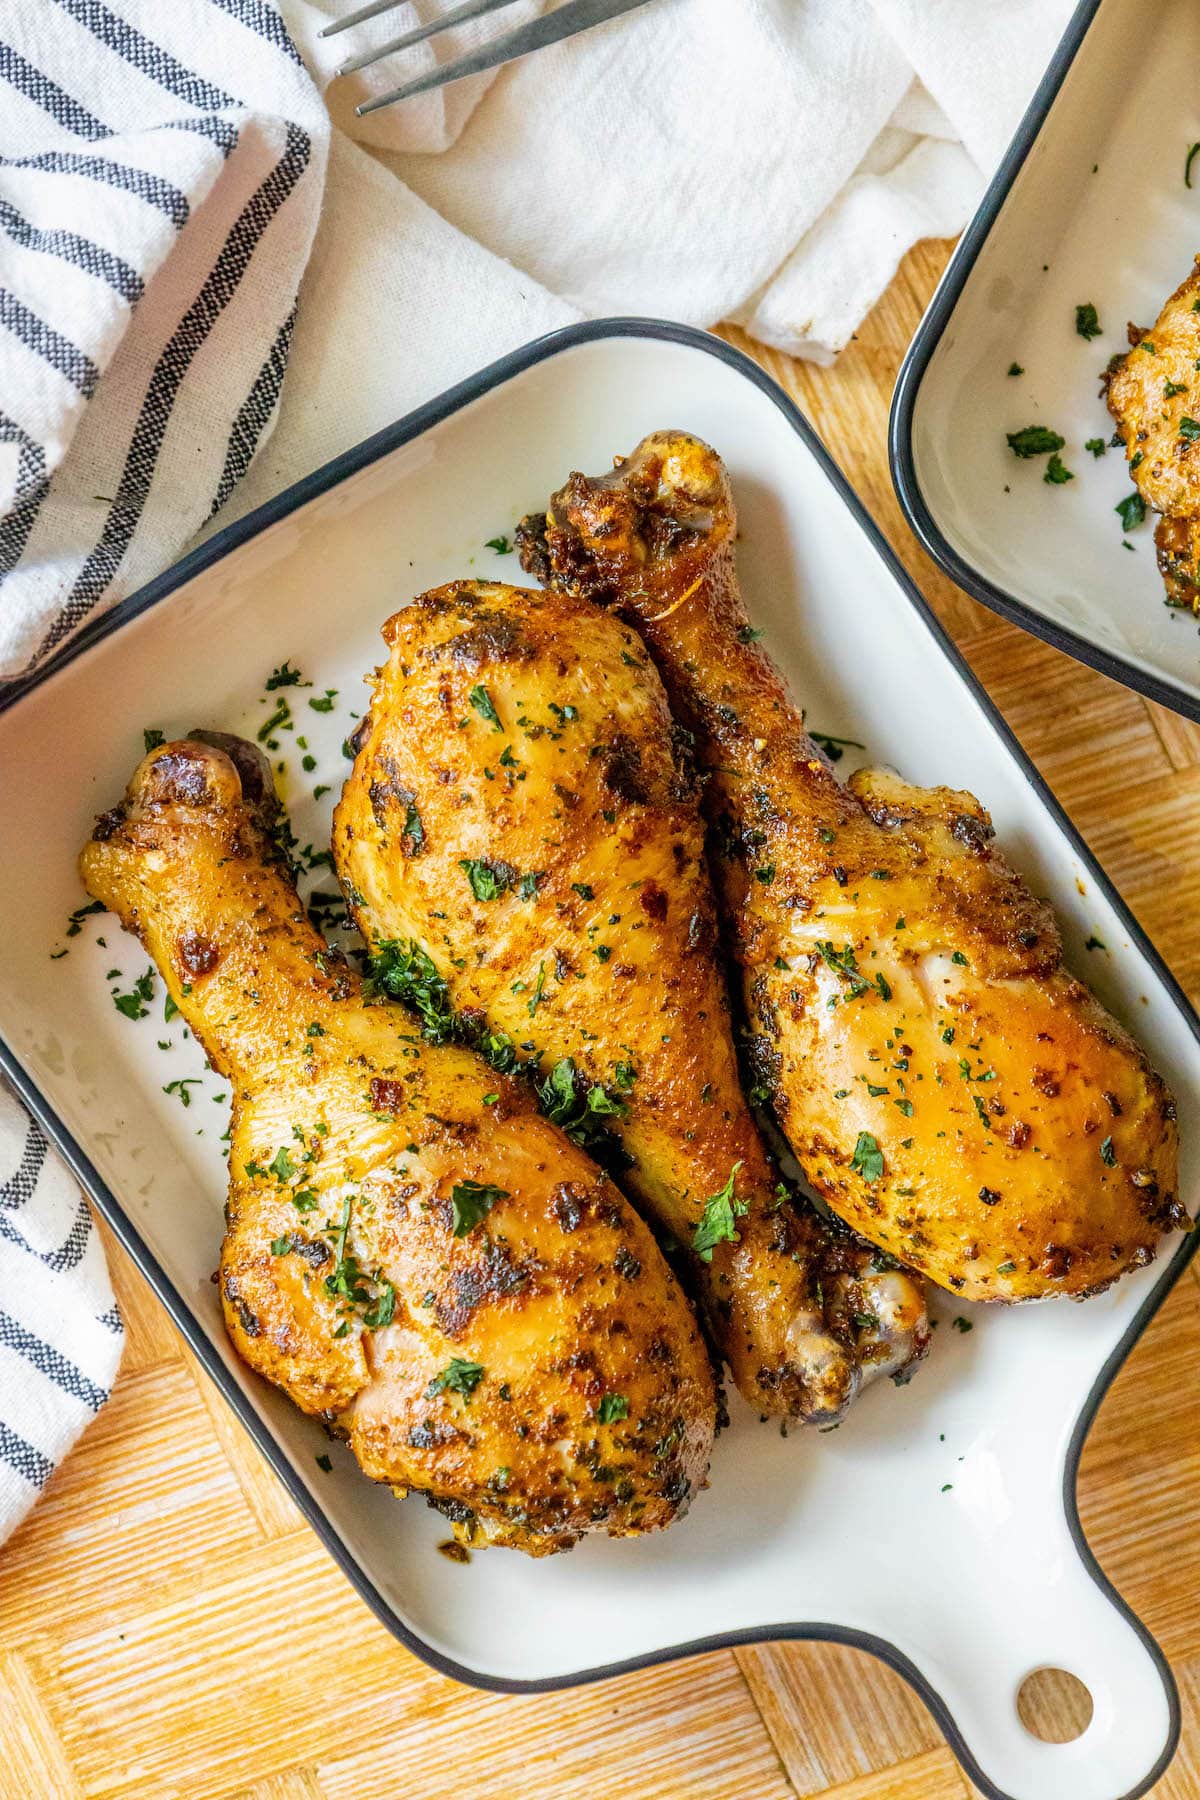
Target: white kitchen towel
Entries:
(161, 175)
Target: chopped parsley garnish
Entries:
(283, 1168)
(382, 1309)
(528, 885)
(152, 737)
(1006, 1268)
(279, 718)
(402, 970)
(766, 874)
(961, 1324)
(834, 747)
(748, 635)
(1057, 472)
(324, 1463)
(1087, 324)
(843, 962)
(1014, 368)
(1034, 440)
(958, 957)
(285, 676)
(458, 1377)
(717, 1224)
(583, 890)
(500, 545)
(306, 1200)
(1173, 388)
(488, 880)
(75, 922)
(471, 1202)
(1097, 446)
(414, 830)
(134, 1004)
(867, 1159)
(1095, 943)
(180, 1088)
(613, 1407)
(481, 700)
(1187, 167)
(1108, 1153)
(568, 1101)
(1189, 429)
(347, 1281)
(325, 703)
(1132, 510)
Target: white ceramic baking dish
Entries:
(1089, 207)
(937, 1527)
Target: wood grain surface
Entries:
(170, 1627)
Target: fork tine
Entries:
(457, 15)
(356, 18)
(551, 28)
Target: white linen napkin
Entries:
(161, 176)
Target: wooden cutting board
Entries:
(170, 1627)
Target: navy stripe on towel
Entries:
(151, 188)
(36, 1468)
(262, 17)
(191, 333)
(255, 413)
(38, 87)
(51, 1363)
(70, 1251)
(19, 1187)
(71, 362)
(146, 56)
(93, 259)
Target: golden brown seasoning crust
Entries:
(397, 1255)
(1153, 393)
(523, 807)
(954, 1093)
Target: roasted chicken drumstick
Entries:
(412, 1252)
(522, 812)
(949, 1088)
(1154, 396)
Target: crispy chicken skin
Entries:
(1154, 396)
(492, 1380)
(522, 807)
(952, 1091)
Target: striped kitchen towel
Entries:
(161, 170)
(60, 1331)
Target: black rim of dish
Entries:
(908, 385)
(229, 539)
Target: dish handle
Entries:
(1059, 1614)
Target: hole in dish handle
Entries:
(1071, 1625)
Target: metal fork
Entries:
(567, 21)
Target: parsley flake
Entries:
(458, 1377)
(867, 1159)
(716, 1224)
(471, 1202)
